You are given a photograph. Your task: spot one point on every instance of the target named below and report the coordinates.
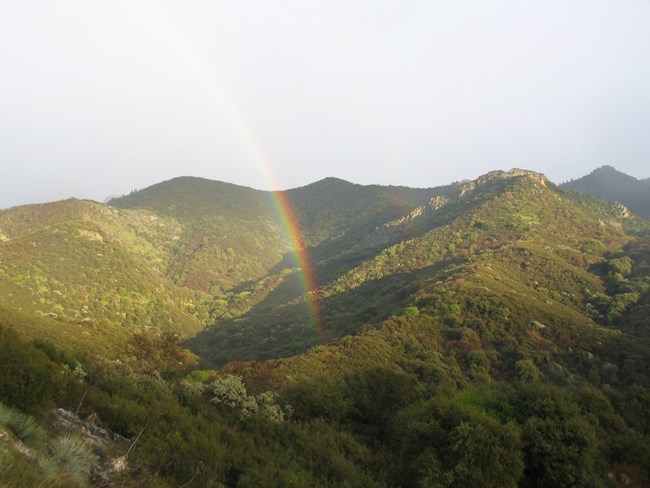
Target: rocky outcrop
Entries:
(622, 210)
(110, 448)
(91, 235)
(494, 175)
(396, 230)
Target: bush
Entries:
(72, 457)
(27, 379)
(6, 413)
(24, 427)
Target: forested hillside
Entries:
(609, 184)
(492, 333)
(85, 275)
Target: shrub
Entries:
(6, 413)
(72, 456)
(27, 378)
(24, 427)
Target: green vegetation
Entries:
(24, 427)
(494, 337)
(609, 184)
(71, 457)
(33, 461)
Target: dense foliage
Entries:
(492, 334)
(609, 184)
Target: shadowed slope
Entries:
(609, 184)
(541, 244)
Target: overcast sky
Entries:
(101, 97)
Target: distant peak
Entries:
(502, 175)
(333, 181)
(329, 182)
(608, 171)
(606, 168)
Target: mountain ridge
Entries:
(610, 184)
(503, 312)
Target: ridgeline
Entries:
(491, 332)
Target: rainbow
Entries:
(160, 24)
(293, 233)
(287, 219)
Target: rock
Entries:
(109, 447)
(494, 175)
(622, 210)
(397, 229)
(90, 235)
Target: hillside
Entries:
(326, 210)
(491, 333)
(229, 233)
(86, 275)
(513, 234)
(235, 244)
(171, 257)
(232, 235)
(609, 184)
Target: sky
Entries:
(98, 98)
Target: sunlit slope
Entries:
(510, 246)
(85, 270)
(479, 323)
(233, 234)
(335, 211)
(508, 249)
(187, 250)
(230, 234)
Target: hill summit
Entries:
(610, 184)
(492, 332)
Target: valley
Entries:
(491, 332)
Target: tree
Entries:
(446, 444)
(159, 354)
(231, 392)
(376, 395)
(560, 446)
(527, 371)
(559, 452)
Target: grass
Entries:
(67, 460)
(71, 457)
(24, 427)
(16, 471)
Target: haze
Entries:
(99, 98)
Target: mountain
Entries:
(81, 273)
(509, 237)
(170, 257)
(609, 184)
(335, 334)
(233, 234)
